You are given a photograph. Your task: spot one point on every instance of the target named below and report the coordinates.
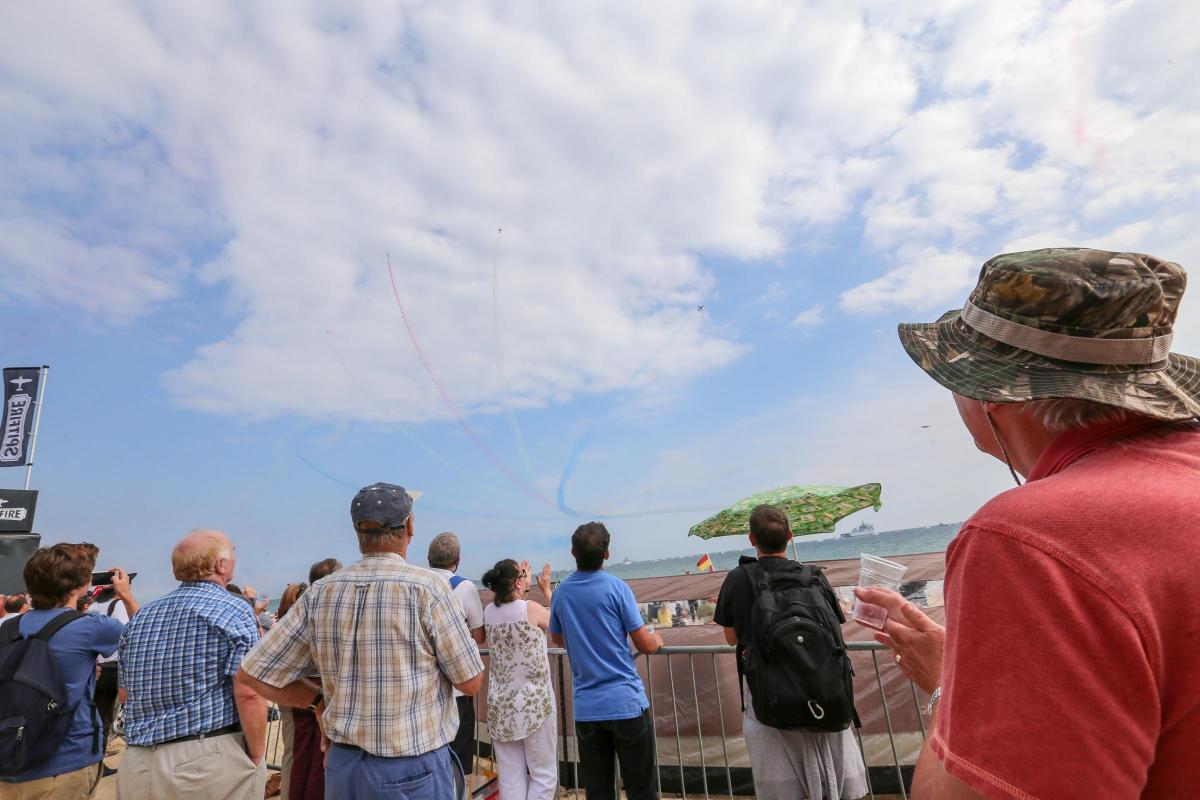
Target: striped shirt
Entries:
(388, 640)
(178, 656)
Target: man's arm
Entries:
(731, 636)
(123, 590)
(297, 694)
(252, 711)
(645, 641)
(478, 635)
(471, 686)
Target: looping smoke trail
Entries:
(458, 416)
(412, 437)
(500, 367)
(425, 504)
(586, 439)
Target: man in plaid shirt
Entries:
(191, 732)
(390, 642)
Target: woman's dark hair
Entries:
(502, 580)
(289, 597)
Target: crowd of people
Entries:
(1060, 367)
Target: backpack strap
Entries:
(455, 580)
(112, 606)
(55, 625)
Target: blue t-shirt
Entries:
(76, 647)
(595, 613)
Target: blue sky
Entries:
(200, 202)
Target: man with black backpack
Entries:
(51, 744)
(786, 623)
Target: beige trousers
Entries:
(77, 785)
(201, 769)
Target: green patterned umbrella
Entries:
(810, 509)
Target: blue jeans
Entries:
(354, 774)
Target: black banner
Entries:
(16, 510)
(20, 395)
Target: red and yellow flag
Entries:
(704, 564)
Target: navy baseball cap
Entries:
(385, 504)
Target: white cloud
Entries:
(809, 317)
(926, 279)
(276, 152)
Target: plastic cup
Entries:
(876, 573)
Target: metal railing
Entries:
(714, 763)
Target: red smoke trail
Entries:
(462, 422)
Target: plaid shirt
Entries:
(388, 639)
(178, 656)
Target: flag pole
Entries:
(37, 422)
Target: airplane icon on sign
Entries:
(20, 382)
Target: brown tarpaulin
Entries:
(705, 686)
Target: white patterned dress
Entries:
(520, 698)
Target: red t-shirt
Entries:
(1072, 662)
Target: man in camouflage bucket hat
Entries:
(1070, 601)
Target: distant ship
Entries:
(865, 529)
(626, 560)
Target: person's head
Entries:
(1058, 339)
(57, 576)
(204, 555)
(382, 517)
(16, 604)
(444, 552)
(84, 603)
(323, 568)
(770, 531)
(504, 580)
(589, 545)
(290, 595)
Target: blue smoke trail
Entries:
(586, 439)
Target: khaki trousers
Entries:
(77, 785)
(201, 769)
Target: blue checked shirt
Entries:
(388, 640)
(178, 656)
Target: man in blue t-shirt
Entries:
(593, 615)
(56, 577)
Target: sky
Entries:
(278, 251)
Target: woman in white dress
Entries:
(520, 699)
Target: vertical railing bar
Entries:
(699, 732)
(562, 726)
(917, 706)
(653, 723)
(887, 715)
(721, 716)
(866, 767)
(678, 740)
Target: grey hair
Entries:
(444, 551)
(370, 541)
(1070, 413)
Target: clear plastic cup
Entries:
(876, 573)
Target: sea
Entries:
(929, 539)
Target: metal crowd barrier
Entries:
(721, 778)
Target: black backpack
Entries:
(34, 715)
(795, 663)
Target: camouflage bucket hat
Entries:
(1066, 323)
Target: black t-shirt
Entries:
(736, 600)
